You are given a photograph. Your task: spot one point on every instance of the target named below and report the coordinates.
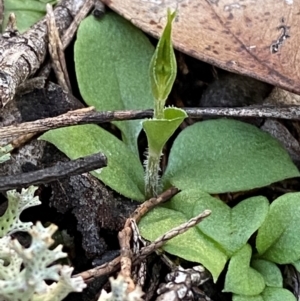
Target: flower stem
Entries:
(152, 185)
(159, 109)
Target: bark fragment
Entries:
(22, 55)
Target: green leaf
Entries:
(269, 294)
(112, 60)
(277, 294)
(27, 12)
(241, 279)
(232, 227)
(247, 298)
(124, 172)
(278, 237)
(269, 271)
(192, 245)
(159, 131)
(224, 155)
(296, 265)
(163, 67)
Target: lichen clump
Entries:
(23, 271)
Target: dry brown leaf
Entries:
(282, 97)
(256, 38)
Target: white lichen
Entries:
(17, 202)
(119, 291)
(5, 153)
(23, 271)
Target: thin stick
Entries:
(283, 112)
(151, 203)
(81, 116)
(85, 116)
(114, 265)
(125, 235)
(70, 32)
(60, 170)
(56, 52)
(126, 256)
(104, 269)
(160, 241)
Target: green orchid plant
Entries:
(165, 121)
(208, 158)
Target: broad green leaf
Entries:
(278, 237)
(224, 155)
(112, 60)
(277, 294)
(296, 265)
(124, 172)
(241, 279)
(27, 12)
(269, 271)
(159, 131)
(231, 228)
(163, 66)
(192, 245)
(269, 294)
(247, 298)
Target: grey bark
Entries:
(22, 55)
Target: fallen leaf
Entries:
(258, 39)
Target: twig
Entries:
(283, 112)
(104, 269)
(139, 272)
(125, 235)
(60, 170)
(84, 116)
(81, 116)
(126, 256)
(151, 203)
(69, 33)
(56, 52)
(114, 265)
(81, 14)
(160, 241)
(16, 143)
